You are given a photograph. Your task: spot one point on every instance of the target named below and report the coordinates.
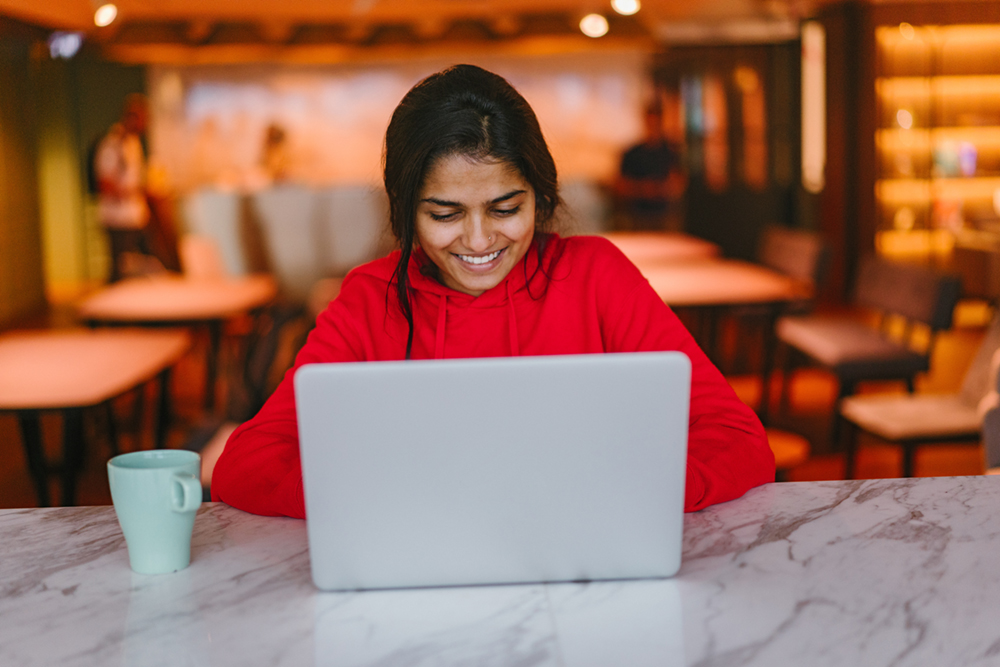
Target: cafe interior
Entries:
(827, 228)
(834, 246)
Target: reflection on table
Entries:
(788, 574)
(71, 370)
(174, 300)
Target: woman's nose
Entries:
(477, 234)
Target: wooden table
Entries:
(174, 300)
(714, 286)
(653, 248)
(880, 572)
(71, 370)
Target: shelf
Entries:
(985, 139)
(897, 191)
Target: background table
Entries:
(662, 247)
(713, 287)
(173, 301)
(70, 370)
(878, 572)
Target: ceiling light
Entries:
(105, 15)
(594, 25)
(626, 7)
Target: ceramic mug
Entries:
(156, 496)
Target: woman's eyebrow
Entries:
(445, 202)
(509, 195)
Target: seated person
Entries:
(473, 191)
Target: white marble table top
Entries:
(880, 572)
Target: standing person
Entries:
(120, 170)
(472, 194)
(651, 179)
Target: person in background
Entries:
(120, 169)
(472, 197)
(274, 156)
(651, 179)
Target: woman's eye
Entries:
(507, 211)
(442, 217)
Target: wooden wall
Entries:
(22, 291)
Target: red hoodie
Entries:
(589, 299)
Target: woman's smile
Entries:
(485, 259)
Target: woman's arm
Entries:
(728, 452)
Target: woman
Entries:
(472, 190)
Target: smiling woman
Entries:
(472, 190)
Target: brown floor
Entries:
(811, 401)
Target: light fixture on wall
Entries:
(594, 25)
(626, 7)
(64, 44)
(105, 15)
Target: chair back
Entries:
(200, 257)
(797, 253)
(915, 293)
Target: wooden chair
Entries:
(915, 419)
(914, 296)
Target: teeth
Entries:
(479, 260)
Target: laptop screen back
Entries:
(487, 471)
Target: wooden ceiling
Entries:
(323, 30)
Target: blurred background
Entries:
(872, 125)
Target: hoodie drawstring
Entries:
(515, 348)
(439, 332)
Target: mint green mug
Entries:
(156, 496)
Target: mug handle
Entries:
(187, 497)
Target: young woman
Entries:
(472, 191)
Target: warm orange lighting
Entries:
(105, 15)
(594, 25)
(907, 32)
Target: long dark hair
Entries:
(462, 110)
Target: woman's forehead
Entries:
(475, 178)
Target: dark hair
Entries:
(462, 110)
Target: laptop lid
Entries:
(490, 471)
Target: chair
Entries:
(799, 254)
(915, 419)
(789, 449)
(201, 257)
(915, 296)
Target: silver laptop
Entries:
(494, 471)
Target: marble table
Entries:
(880, 572)
(171, 300)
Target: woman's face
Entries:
(475, 221)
